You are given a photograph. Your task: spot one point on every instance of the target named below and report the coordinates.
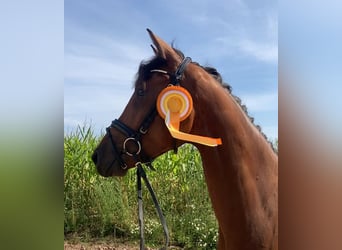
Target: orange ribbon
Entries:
(172, 123)
(175, 104)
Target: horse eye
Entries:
(141, 92)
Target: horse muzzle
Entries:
(108, 167)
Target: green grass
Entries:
(100, 207)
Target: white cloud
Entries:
(97, 58)
(261, 102)
(271, 132)
(267, 52)
(97, 70)
(248, 32)
(259, 41)
(99, 73)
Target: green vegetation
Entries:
(96, 207)
(100, 207)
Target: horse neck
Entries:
(241, 174)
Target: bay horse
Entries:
(241, 173)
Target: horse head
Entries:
(140, 133)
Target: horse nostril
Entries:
(94, 157)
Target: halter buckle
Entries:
(143, 131)
(124, 166)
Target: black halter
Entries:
(131, 136)
(135, 136)
(138, 155)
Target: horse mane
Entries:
(144, 73)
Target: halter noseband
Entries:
(135, 136)
(131, 136)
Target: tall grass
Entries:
(97, 207)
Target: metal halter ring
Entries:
(137, 142)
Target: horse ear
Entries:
(154, 49)
(161, 48)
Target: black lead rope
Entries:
(142, 174)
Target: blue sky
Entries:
(106, 40)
